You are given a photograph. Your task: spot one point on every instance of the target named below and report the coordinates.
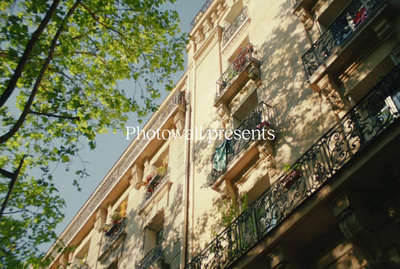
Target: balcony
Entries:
(200, 13)
(349, 22)
(174, 104)
(112, 239)
(154, 184)
(362, 125)
(243, 68)
(154, 257)
(234, 27)
(230, 151)
(156, 188)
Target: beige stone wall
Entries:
(300, 114)
(302, 111)
(171, 206)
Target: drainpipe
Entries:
(185, 189)
(192, 160)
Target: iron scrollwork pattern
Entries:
(259, 117)
(155, 184)
(364, 123)
(348, 22)
(235, 25)
(236, 67)
(113, 234)
(177, 99)
(200, 13)
(151, 257)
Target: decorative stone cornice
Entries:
(175, 101)
(304, 16)
(368, 228)
(206, 21)
(328, 88)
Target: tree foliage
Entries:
(61, 62)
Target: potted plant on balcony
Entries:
(123, 206)
(147, 182)
(148, 179)
(263, 124)
(83, 263)
(116, 218)
(162, 169)
(106, 227)
(293, 174)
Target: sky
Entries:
(109, 146)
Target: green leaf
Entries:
(91, 57)
(65, 159)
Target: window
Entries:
(244, 109)
(153, 244)
(159, 235)
(81, 257)
(154, 232)
(113, 265)
(233, 21)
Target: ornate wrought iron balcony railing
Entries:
(347, 23)
(244, 57)
(257, 119)
(155, 183)
(151, 257)
(200, 13)
(112, 234)
(345, 140)
(178, 99)
(235, 25)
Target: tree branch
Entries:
(11, 185)
(74, 38)
(14, 212)
(96, 19)
(6, 173)
(28, 50)
(54, 116)
(70, 79)
(43, 70)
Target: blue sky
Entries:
(109, 146)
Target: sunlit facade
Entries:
(303, 173)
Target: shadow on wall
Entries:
(133, 246)
(301, 116)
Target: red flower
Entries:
(262, 124)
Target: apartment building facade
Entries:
(321, 80)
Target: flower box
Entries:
(291, 178)
(263, 124)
